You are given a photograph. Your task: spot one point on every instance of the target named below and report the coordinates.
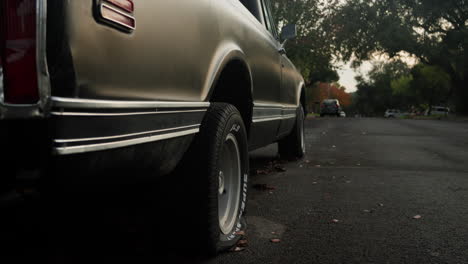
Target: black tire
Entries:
(203, 163)
(293, 146)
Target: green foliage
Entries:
(425, 85)
(433, 31)
(376, 94)
(431, 83)
(311, 52)
(402, 86)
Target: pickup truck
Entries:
(116, 91)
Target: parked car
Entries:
(101, 91)
(438, 110)
(330, 107)
(393, 113)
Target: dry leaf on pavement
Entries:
(242, 243)
(280, 168)
(275, 240)
(237, 249)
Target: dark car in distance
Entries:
(330, 107)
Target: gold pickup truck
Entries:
(103, 90)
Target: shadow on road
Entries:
(144, 223)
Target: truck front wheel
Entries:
(293, 146)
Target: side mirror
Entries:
(289, 32)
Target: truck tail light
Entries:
(119, 12)
(18, 51)
(126, 5)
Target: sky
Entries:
(347, 75)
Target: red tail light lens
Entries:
(126, 5)
(118, 17)
(18, 51)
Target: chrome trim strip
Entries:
(61, 141)
(264, 112)
(270, 106)
(123, 143)
(289, 116)
(121, 13)
(124, 114)
(41, 53)
(99, 104)
(274, 118)
(267, 119)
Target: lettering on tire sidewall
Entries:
(243, 203)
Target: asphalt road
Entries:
(373, 176)
(368, 191)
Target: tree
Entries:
(375, 94)
(426, 84)
(433, 31)
(311, 51)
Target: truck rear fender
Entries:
(230, 81)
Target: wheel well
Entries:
(234, 87)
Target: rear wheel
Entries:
(218, 166)
(293, 146)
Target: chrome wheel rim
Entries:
(229, 185)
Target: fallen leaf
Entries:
(237, 249)
(273, 233)
(307, 161)
(275, 240)
(348, 181)
(314, 182)
(333, 146)
(417, 217)
(300, 166)
(242, 243)
(335, 221)
(435, 254)
(280, 168)
(262, 172)
(318, 166)
(367, 211)
(380, 204)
